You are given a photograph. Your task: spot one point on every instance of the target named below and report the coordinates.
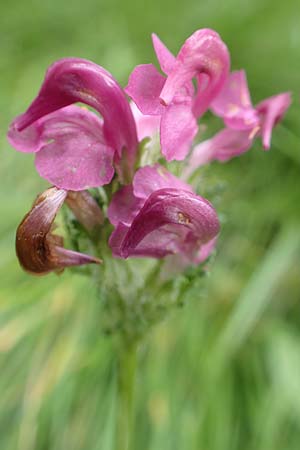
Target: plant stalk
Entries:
(125, 403)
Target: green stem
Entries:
(126, 382)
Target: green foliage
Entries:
(224, 371)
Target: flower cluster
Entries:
(114, 148)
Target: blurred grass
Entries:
(222, 373)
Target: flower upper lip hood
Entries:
(189, 219)
(72, 80)
(203, 56)
(203, 53)
(70, 148)
(63, 133)
(160, 215)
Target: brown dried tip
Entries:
(85, 209)
(38, 250)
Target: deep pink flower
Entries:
(159, 215)
(203, 57)
(75, 148)
(244, 122)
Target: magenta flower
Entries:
(75, 148)
(159, 215)
(244, 122)
(204, 57)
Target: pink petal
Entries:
(147, 126)
(230, 143)
(28, 140)
(144, 87)
(234, 105)
(74, 80)
(152, 178)
(157, 244)
(73, 154)
(116, 239)
(206, 250)
(183, 217)
(203, 52)
(175, 264)
(124, 206)
(271, 111)
(223, 146)
(165, 58)
(177, 130)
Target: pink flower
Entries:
(204, 57)
(75, 148)
(159, 215)
(244, 122)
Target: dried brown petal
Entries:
(85, 209)
(38, 250)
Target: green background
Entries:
(223, 373)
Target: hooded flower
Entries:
(39, 250)
(203, 57)
(243, 121)
(75, 148)
(159, 215)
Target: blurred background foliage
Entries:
(221, 373)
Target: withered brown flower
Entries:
(39, 250)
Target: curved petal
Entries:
(167, 63)
(38, 250)
(234, 105)
(124, 206)
(203, 52)
(72, 80)
(178, 128)
(157, 244)
(152, 178)
(165, 58)
(183, 218)
(29, 140)
(72, 151)
(146, 125)
(116, 239)
(206, 250)
(144, 87)
(271, 111)
(175, 264)
(223, 146)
